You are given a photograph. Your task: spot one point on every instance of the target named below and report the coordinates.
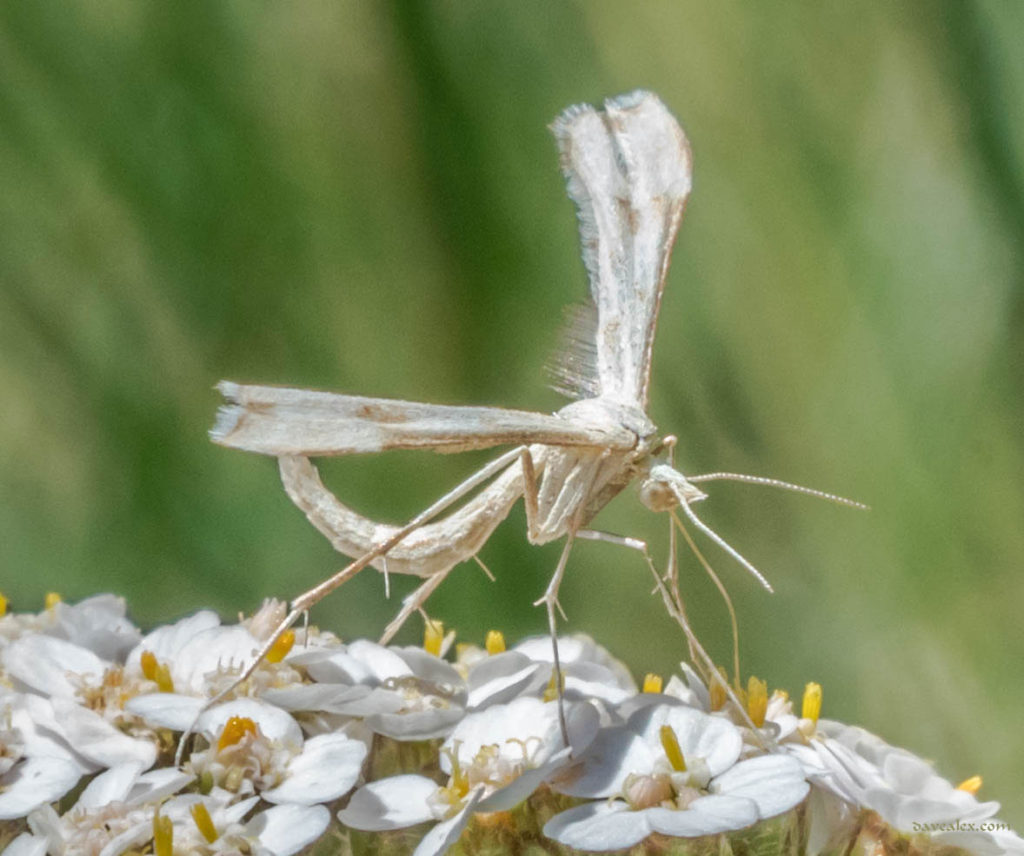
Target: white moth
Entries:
(628, 169)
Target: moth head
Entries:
(663, 488)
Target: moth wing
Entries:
(628, 170)
(275, 420)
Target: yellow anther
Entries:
(52, 599)
(812, 702)
(971, 785)
(163, 835)
(282, 645)
(553, 689)
(757, 700)
(234, 730)
(3, 606)
(781, 695)
(717, 689)
(204, 823)
(433, 637)
(652, 683)
(154, 670)
(495, 643)
(670, 743)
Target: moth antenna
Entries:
(722, 590)
(718, 539)
(783, 485)
(387, 578)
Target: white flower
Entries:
(494, 759)
(215, 824)
(590, 672)
(255, 747)
(113, 812)
(673, 770)
(402, 693)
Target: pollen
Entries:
(235, 729)
(163, 835)
(433, 637)
(717, 689)
(495, 642)
(204, 823)
(652, 683)
(812, 702)
(52, 599)
(757, 700)
(553, 689)
(282, 645)
(971, 785)
(154, 670)
(670, 743)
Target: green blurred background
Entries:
(365, 198)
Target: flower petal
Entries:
(446, 833)
(286, 829)
(392, 803)
(274, 723)
(44, 663)
(110, 786)
(705, 816)
(98, 740)
(26, 844)
(166, 710)
(33, 782)
(774, 782)
(599, 826)
(327, 767)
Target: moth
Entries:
(628, 170)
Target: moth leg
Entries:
(550, 600)
(412, 603)
(530, 492)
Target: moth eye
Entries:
(657, 495)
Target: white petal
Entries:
(286, 829)
(615, 753)
(274, 723)
(166, 710)
(700, 735)
(212, 651)
(427, 667)
(33, 782)
(775, 782)
(98, 740)
(599, 826)
(327, 767)
(500, 678)
(705, 816)
(392, 803)
(507, 726)
(110, 786)
(134, 836)
(508, 797)
(42, 663)
(165, 642)
(158, 784)
(99, 624)
(26, 844)
(446, 833)
(382, 662)
(421, 725)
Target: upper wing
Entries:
(628, 170)
(278, 421)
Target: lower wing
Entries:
(279, 421)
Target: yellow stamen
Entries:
(154, 670)
(781, 695)
(495, 643)
(204, 823)
(235, 729)
(717, 689)
(163, 835)
(812, 702)
(433, 636)
(971, 785)
(282, 645)
(670, 744)
(652, 683)
(757, 700)
(52, 599)
(3, 606)
(553, 690)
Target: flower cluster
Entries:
(367, 748)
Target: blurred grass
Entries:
(363, 197)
